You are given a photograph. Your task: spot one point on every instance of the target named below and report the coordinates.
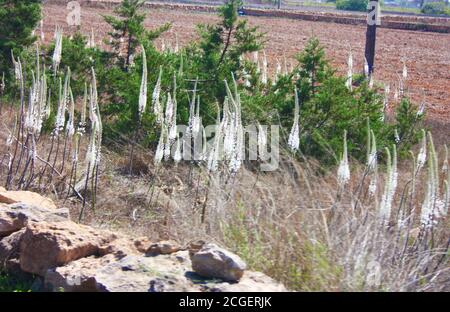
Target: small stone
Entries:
(163, 248)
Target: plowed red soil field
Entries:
(427, 54)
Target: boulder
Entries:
(214, 262)
(46, 245)
(31, 198)
(133, 273)
(163, 248)
(13, 217)
(9, 252)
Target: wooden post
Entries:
(373, 19)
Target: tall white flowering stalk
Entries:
(294, 135)
(177, 47)
(247, 77)
(70, 127)
(191, 120)
(42, 30)
(173, 120)
(214, 155)
(56, 59)
(445, 167)
(169, 111)
(349, 80)
(91, 40)
(371, 81)
(396, 136)
(396, 94)
(264, 69)
(343, 174)
(432, 205)
(196, 120)
(285, 65)
(60, 116)
(81, 127)
(163, 141)
(262, 141)
(156, 104)
(256, 61)
(277, 73)
(143, 88)
(177, 156)
(229, 124)
(422, 156)
(2, 84)
(366, 68)
(390, 185)
(405, 71)
(372, 164)
(235, 130)
(421, 109)
(17, 67)
(93, 155)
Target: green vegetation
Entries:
(10, 283)
(352, 5)
(18, 18)
(436, 8)
(327, 106)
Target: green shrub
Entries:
(18, 18)
(436, 8)
(10, 283)
(352, 5)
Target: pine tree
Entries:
(18, 18)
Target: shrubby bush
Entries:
(436, 8)
(352, 5)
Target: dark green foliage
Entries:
(18, 18)
(352, 5)
(436, 8)
(218, 52)
(10, 283)
(407, 123)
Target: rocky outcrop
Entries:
(46, 245)
(15, 216)
(11, 197)
(71, 257)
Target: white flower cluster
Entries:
(390, 186)
(58, 49)
(343, 173)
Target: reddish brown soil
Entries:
(427, 54)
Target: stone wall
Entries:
(38, 238)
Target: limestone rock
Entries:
(142, 244)
(132, 273)
(45, 245)
(31, 198)
(13, 217)
(215, 262)
(163, 248)
(9, 252)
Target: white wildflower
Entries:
(349, 81)
(343, 173)
(143, 88)
(294, 135)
